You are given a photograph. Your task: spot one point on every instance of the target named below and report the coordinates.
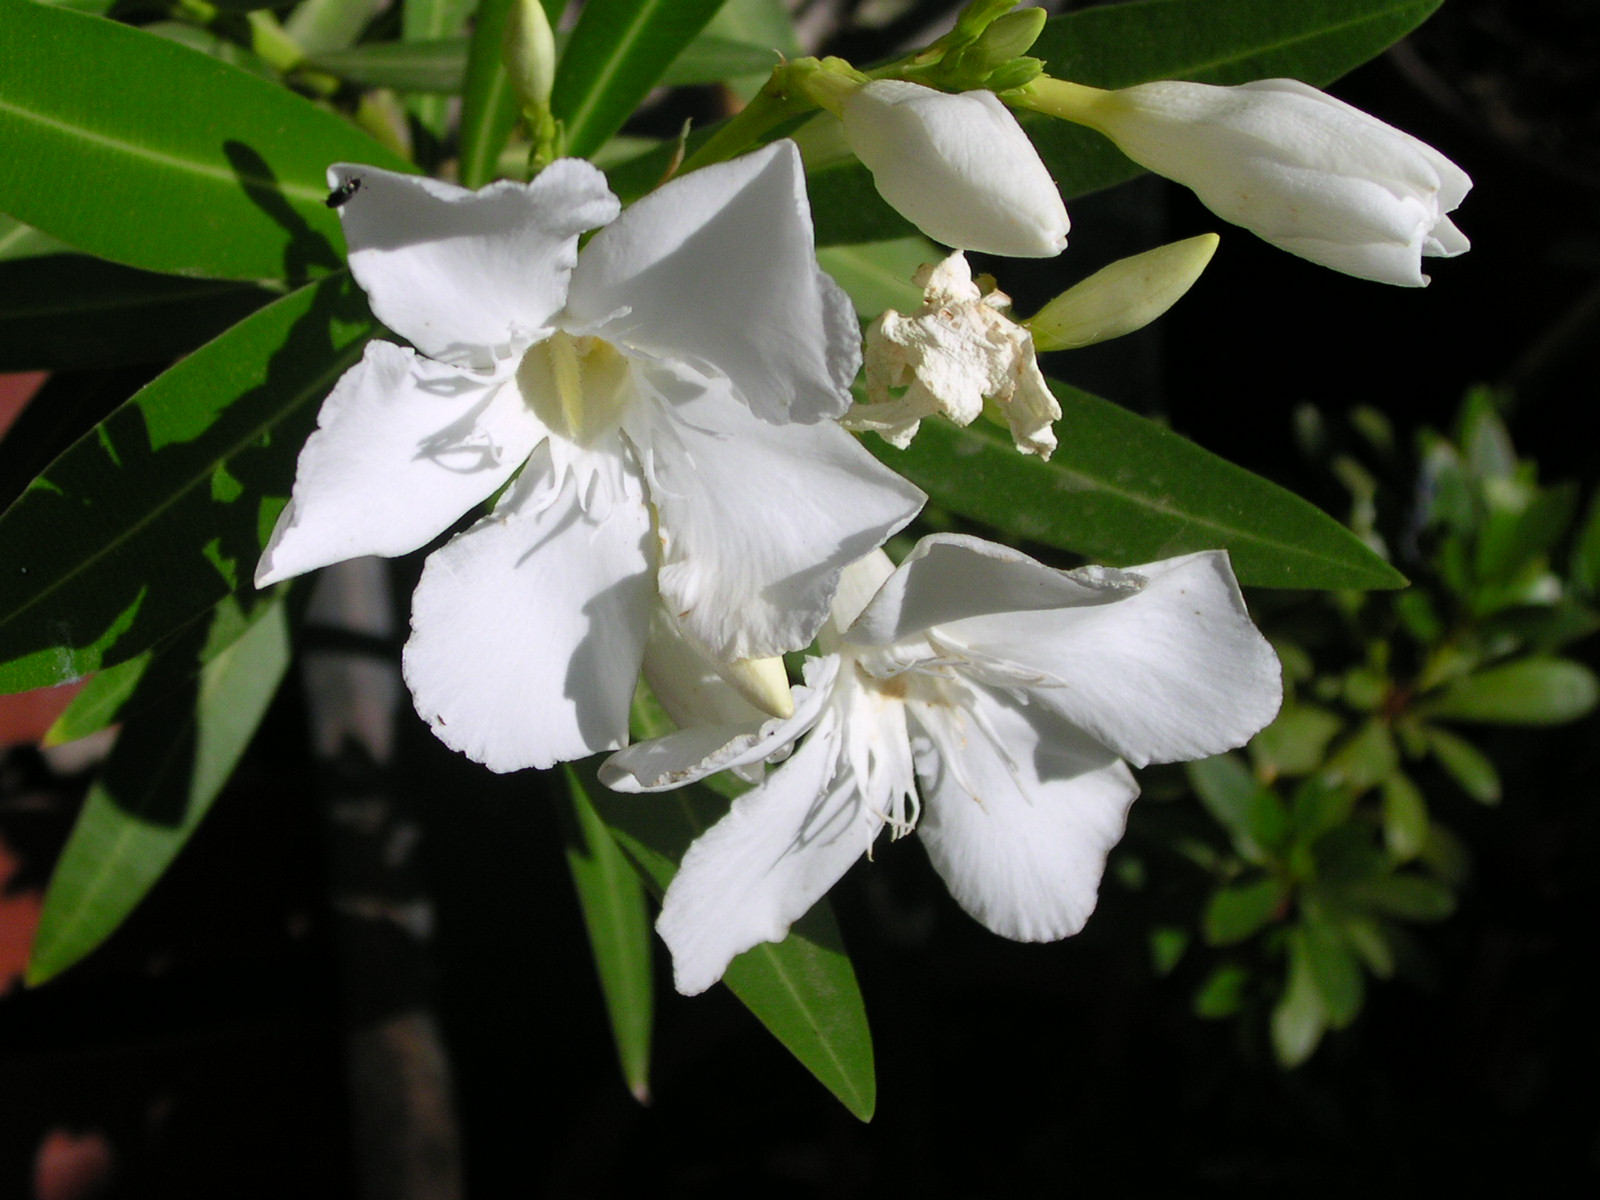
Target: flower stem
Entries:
(1075, 102)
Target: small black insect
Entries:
(343, 192)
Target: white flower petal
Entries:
(527, 629)
(1174, 670)
(696, 751)
(467, 276)
(1019, 812)
(950, 577)
(404, 446)
(757, 520)
(759, 869)
(958, 167)
(717, 269)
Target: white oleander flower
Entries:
(956, 351)
(666, 396)
(957, 166)
(1005, 694)
(1310, 174)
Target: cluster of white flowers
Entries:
(674, 493)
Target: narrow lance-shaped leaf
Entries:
(802, 989)
(488, 108)
(613, 905)
(228, 184)
(1118, 45)
(1122, 490)
(159, 782)
(126, 690)
(618, 51)
(72, 311)
(162, 509)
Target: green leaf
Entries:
(71, 311)
(439, 65)
(618, 51)
(159, 782)
(1365, 758)
(318, 26)
(1585, 549)
(709, 59)
(488, 108)
(127, 689)
(1118, 45)
(1336, 972)
(1414, 897)
(1465, 763)
(619, 933)
(1530, 691)
(764, 23)
(1299, 1019)
(433, 22)
(1295, 742)
(1242, 910)
(23, 241)
(1405, 817)
(1122, 490)
(1250, 811)
(1222, 993)
(228, 184)
(877, 276)
(162, 509)
(802, 989)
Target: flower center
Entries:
(578, 386)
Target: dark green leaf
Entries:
(802, 989)
(1336, 972)
(1405, 817)
(229, 183)
(1365, 758)
(1122, 490)
(159, 782)
(1296, 741)
(613, 905)
(124, 691)
(1530, 691)
(618, 51)
(70, 311)
(1222, 994)
(162, 510)
(1250, 811)
(1466, 764)
(1242, 910)
(1414, 897)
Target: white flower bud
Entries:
(958, 167)
(1310, 174)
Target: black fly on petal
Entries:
(343, 192)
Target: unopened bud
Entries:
(763, 682)
(529, 54)
(1125, 296)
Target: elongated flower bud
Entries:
(958, 167)
(1308, 173)
(1123, 297)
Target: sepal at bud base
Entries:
(1123, 297)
